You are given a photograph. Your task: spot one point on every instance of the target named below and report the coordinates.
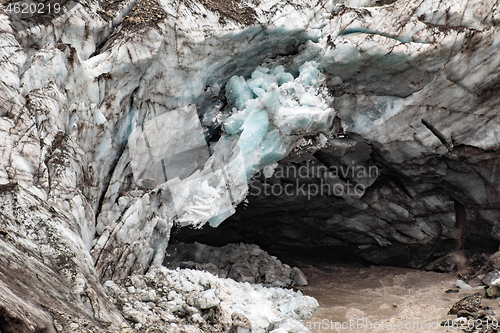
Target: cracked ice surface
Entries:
(168, 146)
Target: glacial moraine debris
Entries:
(470, 303)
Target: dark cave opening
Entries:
(231, 233)
(417, 214)
(435, 256)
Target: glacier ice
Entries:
(238, 92)
(276, 118)
(168, 146)
(266, 115)
(82, 97)
(267, 309)
(269, 113)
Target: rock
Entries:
(470, 303)
(251, 263)
(298, 277)
(137, 282)
(174, 328)
(148, 296)
(452, 291)
(493, 292)
(485, 313)
(240, 323)
(197, 318)
(462, 285)
(190, 310)
(475, 282)
(111, 288)
(184, 300)
(448, 263)
(243, 272)
(495, 260)
(496, 282)
(466, 314)
(490, 277)
(134, 315)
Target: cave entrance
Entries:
(396, 221)
(279, 240)
(349, 288)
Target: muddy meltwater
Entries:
(382, 299)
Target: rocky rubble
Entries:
(240, 262)
(471, 316)
(185, 300)
(479, 280)
(46, 251)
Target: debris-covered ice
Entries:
(191, 299)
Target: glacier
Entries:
(264, 125)
(123, 119)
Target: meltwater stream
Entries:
(382, 299)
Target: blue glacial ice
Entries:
(272, 110)
(267, 114)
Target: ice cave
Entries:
(249, 166)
